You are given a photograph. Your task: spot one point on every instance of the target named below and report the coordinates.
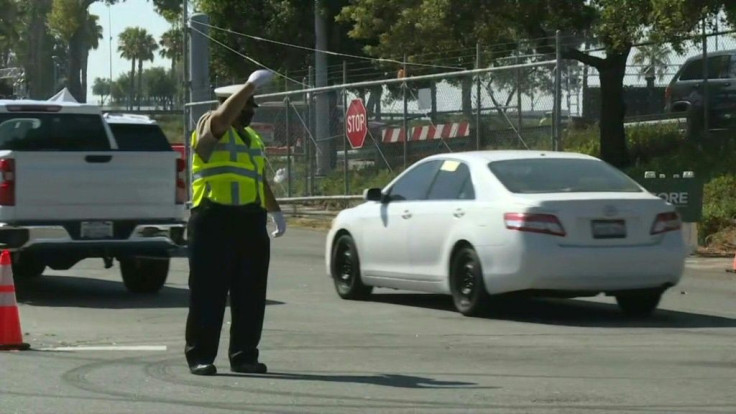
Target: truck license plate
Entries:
(96, 230)
(609, 229)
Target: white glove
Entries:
(278, 219)
(260, 77)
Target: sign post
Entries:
(356, 123)
(685, 192)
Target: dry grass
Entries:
(720, 244)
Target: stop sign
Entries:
(356, 123)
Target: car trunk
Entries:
(602, 219)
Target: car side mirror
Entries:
(374, 194)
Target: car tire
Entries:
(468, 290)
(27, 266)
(639, 303)
(345, 269)
(142, 275)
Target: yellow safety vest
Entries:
(233, 175)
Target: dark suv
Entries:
(685, 92)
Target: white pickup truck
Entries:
(69, 191)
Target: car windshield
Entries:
(140, 137)
(561, 175)
(30, 131)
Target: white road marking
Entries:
(107, 348)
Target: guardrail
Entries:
(299, 206)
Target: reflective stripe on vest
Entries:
(226, 170)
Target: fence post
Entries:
(346, 164)
(519, 113)
(706, 109)
(308, 140)
(287, 132)
(557, 113)
(405, 121)
(477, 97)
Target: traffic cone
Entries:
(11, 337)
(733, 266)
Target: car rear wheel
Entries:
(466, 283)
(639, 303)
(345, 269)
(144, 275)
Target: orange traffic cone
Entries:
(11, 337)
(733, 266)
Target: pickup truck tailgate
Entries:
(95, 185)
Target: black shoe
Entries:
(250, 368)
(203, 369)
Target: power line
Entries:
(325, 51)
(244, 56)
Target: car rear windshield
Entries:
(140, 137)
(29, 131)
(556, 175)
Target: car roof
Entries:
(711, 54)
(114, 118)
(65, 107)
(486, 156)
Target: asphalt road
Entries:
(98, 349)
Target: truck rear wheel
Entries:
(26, 266)
(144, 275)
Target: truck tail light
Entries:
(666, 222)
(181, 184)
(535, 223)
(7, 182)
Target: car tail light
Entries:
(181, 185)
(536, 223)
(666, 222)
(667, 94)
(7, 182)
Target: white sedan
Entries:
(477, 224)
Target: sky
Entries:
(129, 13)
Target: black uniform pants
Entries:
(229, 251)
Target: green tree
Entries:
(69, 19)
(418, 26)
(128, 48)
(171, 46)
(653, 60)
(145, 46)
(287, 21)
(102, 88)
(160, 87)
(91, 34)
(120, 90)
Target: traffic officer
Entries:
(229, 245)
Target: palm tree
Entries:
(127, 47)
(171, 46)
(654, 59)
(91, 36)
(145, 47)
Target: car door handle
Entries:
(458, 213)
(406, 214)
(98, 158)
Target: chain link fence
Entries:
(510, 105)
(407, 119)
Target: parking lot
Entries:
(97, 348)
